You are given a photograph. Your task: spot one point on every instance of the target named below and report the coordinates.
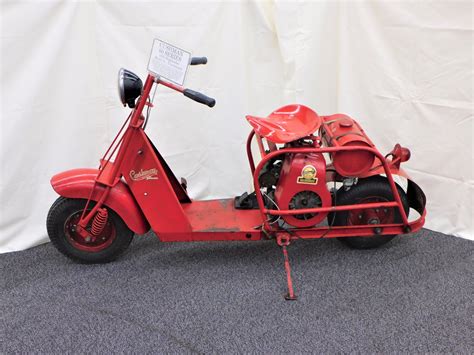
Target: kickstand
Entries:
(290, 296)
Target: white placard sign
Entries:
(169, 62)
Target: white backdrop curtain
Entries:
(402, 69)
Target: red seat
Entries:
(286, 124)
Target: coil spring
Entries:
(99, 222)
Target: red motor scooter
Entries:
(318, 177)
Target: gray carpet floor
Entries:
(412, 296)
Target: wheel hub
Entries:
(88, 243)
(372, 215)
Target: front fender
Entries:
(78, 183)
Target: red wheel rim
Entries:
(383, 215)
(101, 242)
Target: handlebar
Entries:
(198, 97)
(193, 95)
(198, 60)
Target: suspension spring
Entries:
(99, 222)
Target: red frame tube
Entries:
(170, 85)
(331, 208)
(249, 151)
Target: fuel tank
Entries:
(341, 130)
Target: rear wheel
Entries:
(113, 240)
(373, 189)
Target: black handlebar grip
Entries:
(198, 97)
(198, 60)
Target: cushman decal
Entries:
(308, 175)
(149, 174)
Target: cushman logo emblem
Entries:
(149, 174)
(308, 176)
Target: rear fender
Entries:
(78, 183)
(416, 196)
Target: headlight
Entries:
(129, 86)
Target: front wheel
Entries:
(373, 189)
(63, 217)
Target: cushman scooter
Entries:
(318, 177)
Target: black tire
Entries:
(377, 188)
(60, 234)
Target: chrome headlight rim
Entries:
(121, 86)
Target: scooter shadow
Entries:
(223, 253)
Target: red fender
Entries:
(77, 183)
(378, 170)
(416, 196)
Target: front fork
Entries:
(97, 213)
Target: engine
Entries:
(298, 182)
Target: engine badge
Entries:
(308, 176)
